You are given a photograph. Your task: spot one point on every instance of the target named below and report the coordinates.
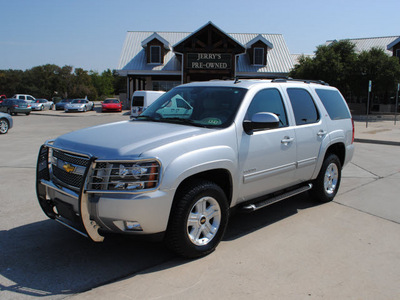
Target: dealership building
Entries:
(162, 60)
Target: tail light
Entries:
(352, 138)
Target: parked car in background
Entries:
(15, 106)
(61, 105)
(42, 104)
(111, 104)
(79, 105)
(25, 97)
(6, 122)
(143, 99)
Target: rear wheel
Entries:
(3, 126)
(327, 183)
(198, 219)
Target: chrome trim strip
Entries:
(70, 227)
(306, 162)
(266, 173)
(61, 190)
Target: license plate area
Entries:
(66, 211)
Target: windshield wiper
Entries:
(145, 118)
(177, 120)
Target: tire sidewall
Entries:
(318, 191)
(6, 126)
(177, 238)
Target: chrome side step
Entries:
(263, 203)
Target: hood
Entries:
(126, 138)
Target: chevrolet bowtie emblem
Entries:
(68, 168)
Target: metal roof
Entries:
(133, 56)
(365, 44)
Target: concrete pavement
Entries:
(346, 249)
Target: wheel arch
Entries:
(339, 149)
(221, 177)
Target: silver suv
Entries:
(197, 152)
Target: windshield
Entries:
(78, 101)
(111, 101)
(199, 106)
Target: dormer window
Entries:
(155, 54)
(259, 57)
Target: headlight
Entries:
(125, 176)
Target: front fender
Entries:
(198, 161)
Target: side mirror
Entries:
(261, 121)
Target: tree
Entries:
(381, 69)
(332, 63)
(103, 83)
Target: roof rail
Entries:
(272, 77)
(300, 80)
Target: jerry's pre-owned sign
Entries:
(209, 61)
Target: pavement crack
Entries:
(366, 170)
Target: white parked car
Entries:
(25, 97)
(79, 105)
(42, 104)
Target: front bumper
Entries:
(90, 212)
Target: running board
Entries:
(263, 203)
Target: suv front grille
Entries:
(68, 169)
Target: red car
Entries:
(111, 104)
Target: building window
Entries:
(155, 54)
(258, 58)
(164, 85)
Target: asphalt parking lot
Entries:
(295, 249)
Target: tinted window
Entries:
(155, 54)
(303, 106)
(259, 56)
(268, 100)
(334, 104)
(138, 101)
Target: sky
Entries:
(90, 34)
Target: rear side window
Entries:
(334, 104)
(303, 106)
(138, 101)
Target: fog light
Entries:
(133, 226)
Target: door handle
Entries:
(321, 133)
(286, 140)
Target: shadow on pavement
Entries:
(46, 259)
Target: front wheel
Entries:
(327, 183)
(3, 126)
(198, 219)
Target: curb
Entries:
(368, 141)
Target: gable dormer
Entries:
(156, 48)
(395, 48)
(257, 49)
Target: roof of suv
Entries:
(248, 83)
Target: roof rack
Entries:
(238, 78)
(308, 81)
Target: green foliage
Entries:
(340, 66)
(49, 81)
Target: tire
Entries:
(9, 112)
(3, 126)
(28, 113)
(198, 219)
(327, 183)
(42, 107)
